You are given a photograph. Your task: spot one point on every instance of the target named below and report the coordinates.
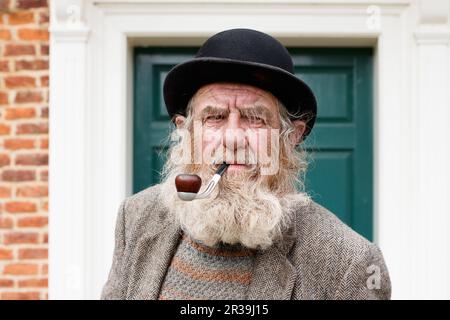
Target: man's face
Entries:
(249, 206)
(236, 119)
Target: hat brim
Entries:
(186, 78)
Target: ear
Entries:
(300, 127)
(180, 121)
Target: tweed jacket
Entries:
(319, 257)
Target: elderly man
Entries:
(258, 235)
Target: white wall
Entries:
(91, 111)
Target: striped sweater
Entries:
(201, 272)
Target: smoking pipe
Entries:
(188, 185)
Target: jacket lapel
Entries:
(151, 261)
(274, 276)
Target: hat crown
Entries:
(247, 45)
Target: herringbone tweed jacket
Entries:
(319, 258)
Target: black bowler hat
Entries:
(244, 56)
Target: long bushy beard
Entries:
(245, 208)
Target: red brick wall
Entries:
(23, 149)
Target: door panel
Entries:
(340, 174)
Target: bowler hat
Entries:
(245, 56)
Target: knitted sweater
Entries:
(201, 272)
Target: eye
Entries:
(214, 118)
(256, 120)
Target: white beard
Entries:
(241, 210)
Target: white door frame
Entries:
(91, 112)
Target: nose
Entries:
(234, 137)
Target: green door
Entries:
(340, 175)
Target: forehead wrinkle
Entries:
(233, 87)
(212, 95)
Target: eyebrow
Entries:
(213, 110)
(257, 110)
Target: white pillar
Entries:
(431, 145)
(68, 37)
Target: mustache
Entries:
(252, 169)
(242, 155)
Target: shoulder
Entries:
(318, 226)
(331, 254)
(144, 211)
